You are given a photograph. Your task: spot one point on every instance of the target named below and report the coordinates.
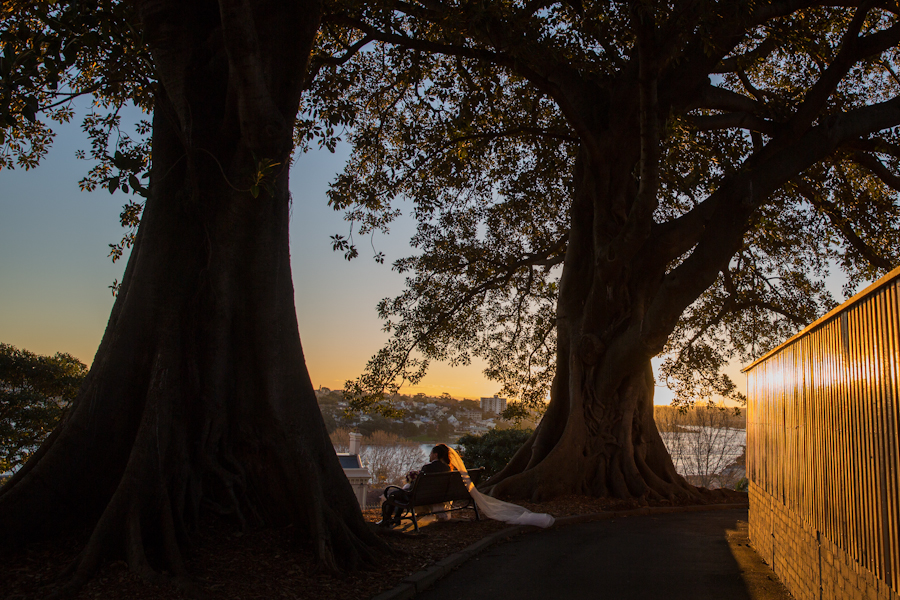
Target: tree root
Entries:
(144, 522)
(613, 472)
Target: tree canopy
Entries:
(597, 183)
(35, 392)
(761, 155)
(56, 52)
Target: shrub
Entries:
(492, 450)
(35, 392)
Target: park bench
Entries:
(437, 488)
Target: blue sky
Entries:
(55, 273)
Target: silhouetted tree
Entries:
(198, 400)
(601, 182)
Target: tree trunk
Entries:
(199, 400)
(602, 448)
(598, 436)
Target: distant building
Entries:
(471, 415)
(495, 405)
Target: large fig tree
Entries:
(198, 401)
(599, 183)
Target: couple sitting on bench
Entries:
(444, 459)
(397, 499)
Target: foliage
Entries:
(520, 414)
(340, 439)
(55, 52)
(493, 449)
(35, 392)
(477, 113)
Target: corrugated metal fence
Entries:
(823, 427)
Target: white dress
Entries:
(496, 509)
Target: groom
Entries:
(440, 463)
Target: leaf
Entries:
(29, 111)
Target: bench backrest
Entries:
(435, 488)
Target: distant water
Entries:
(704, 450)
(426, 448)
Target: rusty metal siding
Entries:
(823, 427)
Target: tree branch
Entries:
(875, 145)
(545, 74)
(336, 61)
(842, 224)
(852, 50)
(512, 132)
(736, 120)
(877, 168)
(736, 64)
(683, 78)
(496, 58)
(715, 98)
(723, 218)
(745, 81)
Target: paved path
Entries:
(695, 555)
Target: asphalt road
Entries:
(696, 556)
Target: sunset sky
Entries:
(55, 273)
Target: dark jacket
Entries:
(436, 467)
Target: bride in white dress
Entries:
(498, 509)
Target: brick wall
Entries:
(805, 560)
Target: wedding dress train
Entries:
(498, 509)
